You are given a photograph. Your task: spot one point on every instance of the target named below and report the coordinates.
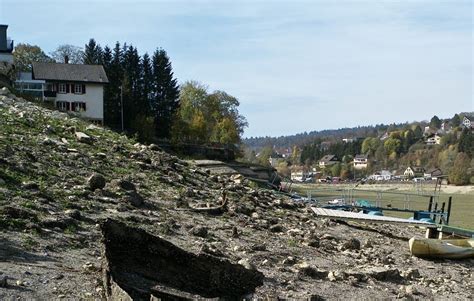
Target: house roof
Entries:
(360, 157)
(328, 158)
(70, 72)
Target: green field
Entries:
(462, 208)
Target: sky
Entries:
(295, 66)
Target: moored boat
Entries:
(437, 248)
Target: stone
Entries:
(126, 185)
(351, 244)
(411, 274)
(96, 181)
(247, 264)
(30, 185)
(74, 213)
(83, 138)
(235, 232)
(133, 198)
(411, 290)
(199, 231)
(331, 276)
(290, 260)
(154, 147)
(304, 269)
(276, 228)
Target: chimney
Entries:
(3, 37)
(66, 59)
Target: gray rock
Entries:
(351, 244)
(411, 274)
(305, 269)
(247, 264)
(96, 181)
(133, 198)
(84, 138)
(74, 213)
(126, 185)
(30, 185)
(199, 231)
(4, 281)
(276, 228)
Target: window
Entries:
(63, 105)
(62, 88)
(78, 106)
(78, 89)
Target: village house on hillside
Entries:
(6, 46)
(433, 139)
(71, 87)
(467, 122)
(328, 160)
(360, 161)
(414, 171)
(433, 173)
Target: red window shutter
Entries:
(83, 89)
(67, 88)
(73, 88)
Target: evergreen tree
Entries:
(147, 81)
(435, 122)
(92, 53)
(456, 120)
(466, 143)
(112, 108)
(165, 92)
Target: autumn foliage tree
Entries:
(205, 117)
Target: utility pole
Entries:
(121, 105)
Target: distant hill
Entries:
(256, 143)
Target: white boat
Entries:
(437, 248)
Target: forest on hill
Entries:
(445, 144)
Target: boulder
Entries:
(133, 198)
(83, 138)
(96, 181)
(199, 231)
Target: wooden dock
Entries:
(361, 217)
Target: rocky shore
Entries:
(61, 178)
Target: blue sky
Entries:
(295, 66)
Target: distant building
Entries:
(360, 161)
(383, 175)
(6, 46)
(328, 160)
(71, 87)
(414, 171)
(385, 136)
(347, 140)
(433, 139)
(467, 123)
(433, 173)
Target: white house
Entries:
(383, 175)
(433, 139)
(413, 171)
(6, 46)
(360, 161)
(73, 87)
(466, 122)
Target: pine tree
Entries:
(147, 80)
(164, 102)
(114, 72)
(92, 53)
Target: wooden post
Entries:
(430, 205)
(442, 211)
(449, 210)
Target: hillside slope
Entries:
(61, 177)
